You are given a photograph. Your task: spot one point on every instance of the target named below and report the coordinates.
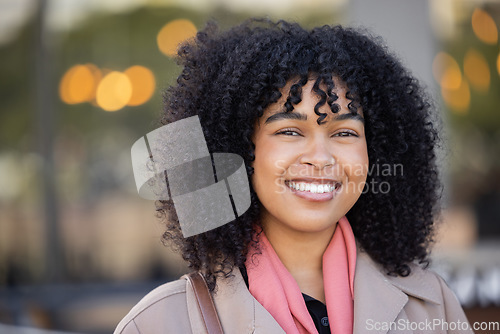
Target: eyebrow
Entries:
(302, 117)
(354, 116)
(286, 115)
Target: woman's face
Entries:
(307, 176)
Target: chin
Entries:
(314, 226)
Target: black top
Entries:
(318, 313)
(316, 309)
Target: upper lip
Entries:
(314, 180)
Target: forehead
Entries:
(310, 97)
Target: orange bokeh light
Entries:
(484, 26)
(476, 70)
(78, 84)
(457, 99)
(446, 71)
(109, 90)
(98, 75)
(143, 84)
(114, 91)
(498, 64)
(173, 34)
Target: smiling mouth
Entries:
(314, 187)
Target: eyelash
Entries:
(287, 132)
(349, 134)
(345, 133)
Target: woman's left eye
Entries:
(288, 133)
(346, 134)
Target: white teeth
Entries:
(312, 187)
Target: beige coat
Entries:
(419, 303)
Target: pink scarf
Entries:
(275, 288)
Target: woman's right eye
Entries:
(288, 132)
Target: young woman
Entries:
(338, 141)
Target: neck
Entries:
(302, 255)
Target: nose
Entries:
(318, 154)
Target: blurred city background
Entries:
(81, 81)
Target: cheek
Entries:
(357, 161)
(270, 165)
(271, 158)
(362, 164)
(261, 166)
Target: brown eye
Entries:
(288, 132)
(346, 134)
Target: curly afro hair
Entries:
(230, 77)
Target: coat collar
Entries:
(377, 298)
(380, 298)
(239, 311)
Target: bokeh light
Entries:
(64, 86)
(143, 84)
(98, 74)
(114, 91)
(446, 71)
(476, 70)
(78, 84)
(457, 100)
(498, 64)
(173, 34)
(484, 26)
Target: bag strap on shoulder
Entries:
(205, 303)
